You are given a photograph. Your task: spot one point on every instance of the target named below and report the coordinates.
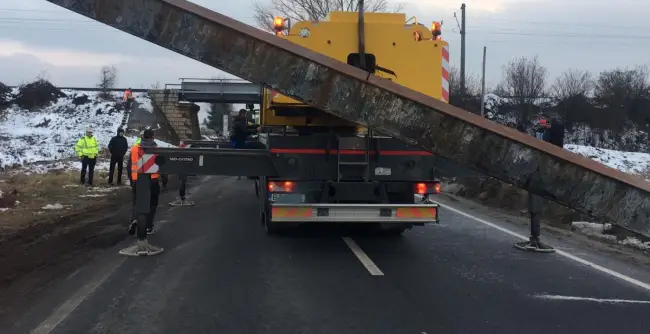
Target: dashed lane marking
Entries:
(590, 299)
(361, 255)
(600, 268)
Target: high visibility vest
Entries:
(87, 146)
(136, 154)
(127, 95)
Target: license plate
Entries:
(287, 198)
(382, 171)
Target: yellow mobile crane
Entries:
(333, 171)
(410, 54)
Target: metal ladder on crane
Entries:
(349, 166)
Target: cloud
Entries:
(61, 57)
(490, 6)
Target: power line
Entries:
(479, 29)
(68, 25)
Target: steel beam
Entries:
(392, 109)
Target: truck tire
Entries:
(265, 214)
(398, 198)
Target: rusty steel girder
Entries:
(357, 96)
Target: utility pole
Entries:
(483, 84)
(462, 51)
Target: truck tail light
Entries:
(423, 188)
(281, 186)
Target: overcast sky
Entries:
(38, 38)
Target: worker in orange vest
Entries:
(128, 98)
(136, 154)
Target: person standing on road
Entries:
(117, 148)
(146, 141)
(87, 150)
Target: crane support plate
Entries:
(394, 110)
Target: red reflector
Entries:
(288, 186)
(281, 186)
(427, 188)
(421, 188)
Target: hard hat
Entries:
(89, 129)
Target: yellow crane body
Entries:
(406, 53)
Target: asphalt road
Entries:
(221, 274)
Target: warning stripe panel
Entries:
(147, 164)
(445, 73)
(289, 212)
(416, 212)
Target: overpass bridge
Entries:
(357, 96)
(232, 91)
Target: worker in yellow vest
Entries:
(87, 150)
(147, 140)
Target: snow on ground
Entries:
(50, 133)
(72, 164)
(602, 231)
(629, 162)
(43, 140)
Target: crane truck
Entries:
(333, 170)
(312, 167)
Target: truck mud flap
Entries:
(355, 213)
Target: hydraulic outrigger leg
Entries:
(142, 207)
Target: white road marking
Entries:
(589, 299)
(361, 255)
(607, 271)
(63, 311)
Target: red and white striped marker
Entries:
(147, 164)
(445, 73)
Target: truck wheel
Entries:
(269, 227)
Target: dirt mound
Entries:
(80, 99)
(40, 93)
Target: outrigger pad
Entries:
(141, 248)
(534, 246)
(181, 202)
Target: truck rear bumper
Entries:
(354, 213)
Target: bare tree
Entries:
(524, 80)
(572, 83)
(310, 10)
(617, 88)
(107, 80)
(524, 83)
(472, 83)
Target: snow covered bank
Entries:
(629, 162)
(44, 137)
